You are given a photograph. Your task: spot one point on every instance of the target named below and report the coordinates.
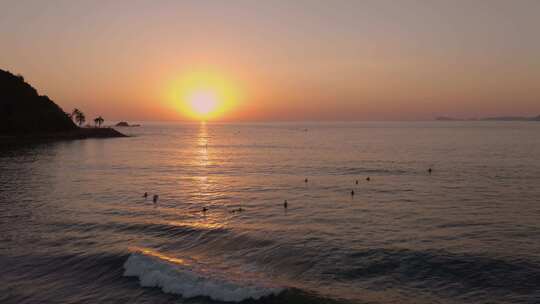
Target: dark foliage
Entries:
(24, 111)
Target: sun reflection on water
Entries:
(202, 145)
(202, 162)
(210, 224)
(206, 192)
(156, 254)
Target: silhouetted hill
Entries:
(513, 118)
(498, 118)
(23, 110)
(27, 115)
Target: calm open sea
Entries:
(74, 227)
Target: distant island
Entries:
(28, 115)
(125, 124)
(497, 118)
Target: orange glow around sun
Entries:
(202, 95)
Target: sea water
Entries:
(75, 228)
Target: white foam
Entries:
(184, 280)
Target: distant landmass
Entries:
(126, 124)
(26, 114)
(497, 118)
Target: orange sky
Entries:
(286, 60)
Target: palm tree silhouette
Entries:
(98, 121)
(74, 113)
(79, 117)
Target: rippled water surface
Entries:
(74, 227)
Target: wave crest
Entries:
(174, 276)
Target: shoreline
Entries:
(79, 133)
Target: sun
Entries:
(203, 95)
(203, 102)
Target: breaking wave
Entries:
(177, 276)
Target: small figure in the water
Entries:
(155, 198)
(237, 210)
(357, 182)
(145, 195)
(352, 192)
(368, 178)
(285, 204)
(429, 170)
(204, 209)
(306, 180)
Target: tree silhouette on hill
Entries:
(98, 121)
(80, 118)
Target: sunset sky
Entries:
(278, 60)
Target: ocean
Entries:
(75, 227)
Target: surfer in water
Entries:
(155, 198)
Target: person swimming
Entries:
(357, 182)
(204, 209)
(429, 170)
(237, 210)
(145, 195)
(368, 178)
(352, 192)
(285, 204)
(155, 198)
(306, 180)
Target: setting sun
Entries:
(202, 95)
(203, 103)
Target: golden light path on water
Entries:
(158, 255)
(203, 161)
